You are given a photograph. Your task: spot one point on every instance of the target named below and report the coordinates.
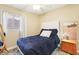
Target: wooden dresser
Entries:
(68, 46)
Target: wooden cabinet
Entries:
(68, 46)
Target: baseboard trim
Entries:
(11, 47)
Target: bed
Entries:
(39, 45)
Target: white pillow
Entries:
(46, 33)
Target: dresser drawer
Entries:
(68, 47)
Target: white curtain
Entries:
(5, 20)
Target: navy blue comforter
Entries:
(37, 45)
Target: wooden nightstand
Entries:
(68, 46)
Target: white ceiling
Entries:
(44, 8)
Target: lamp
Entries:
(66, 36)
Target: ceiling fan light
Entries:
(36, 7)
